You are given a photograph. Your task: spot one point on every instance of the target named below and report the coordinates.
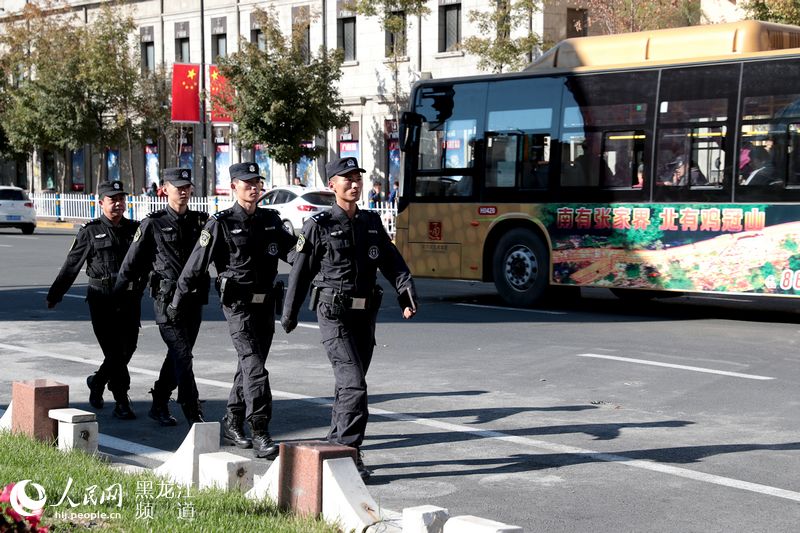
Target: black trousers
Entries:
(349, 341)
(252, 327)
(177, 369)
(115, 320)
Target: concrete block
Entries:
(184, 465)
(76, 429)
(32, 403)
(226, 471)
(424, 519)
(5, 420)
(266, 486)
(300, 476)
(474, 524)
(345, 498)
(391, 522)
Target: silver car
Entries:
(295, 204)
(16, 209)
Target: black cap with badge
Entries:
(341, 167)
(178, 176)
(110, 188)
(244, 171)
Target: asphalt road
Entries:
(591, 414)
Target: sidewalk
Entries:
(55, 224)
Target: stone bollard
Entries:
(424, 519)
(5, 420)
(184, 465)
(32, 403)
(345, 499)
(474, 524)
(300, 476)
(77, 429)
(267, 485)
(226, 471)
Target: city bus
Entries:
(645, 162)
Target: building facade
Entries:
(373, 85)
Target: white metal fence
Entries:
(76, 207)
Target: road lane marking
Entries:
(679, 367)
(482, 433)
(6, 246)
(540, 311)
(66, 295)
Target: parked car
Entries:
(16, 209)
(295, 204)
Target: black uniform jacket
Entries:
(102, 246)
(343, 254)
(244, 248)
(163, 244)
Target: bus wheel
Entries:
(520, 267)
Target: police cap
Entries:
(342, 167)
(244, 171)
(110, 188)
(178, 176)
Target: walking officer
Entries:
(244, 243)
(160, 249)
(341, 250)
(102, 244)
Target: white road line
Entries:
(301, 325)
(679, 367)
(540, 311)
(544, 446)
(66, 295)
(6, 246)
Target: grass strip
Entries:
(84, 493)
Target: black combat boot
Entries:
(263, 445)
(363, 471)
(233, 431)
(159, 411)
(192, 412)
(123, 409)
(95, 392)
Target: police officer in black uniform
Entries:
(244, 243)
(102, 244)
(160, 249)
(341, 250)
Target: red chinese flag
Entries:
(185, 93)
(221, 96)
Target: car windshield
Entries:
(12, 194)
(319, 198)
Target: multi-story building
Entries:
(201, 31)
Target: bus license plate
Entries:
(13, 218)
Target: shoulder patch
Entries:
(205, 238)
(138, 234)
(301, 242)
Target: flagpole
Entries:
(203, 92)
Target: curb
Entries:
(55, 224)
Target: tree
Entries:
(500, 51)
(782, 11)
(283, 97)
(623, 16)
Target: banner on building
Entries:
(221, 96)
(185, 93)
(151, 165)
(222, 160)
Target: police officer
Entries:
(102, 244)
(341, 250)
(160, 249)
(244, 243)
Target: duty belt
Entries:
(349, 302)
(106, 284)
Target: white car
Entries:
(16, 209)
(295, 204)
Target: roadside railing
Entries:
(77, 207)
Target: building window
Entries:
(182, 50)
(301, 31)
(396, 40)
(346, 37)
(219, 47)
(449, 27)
(577, 23)
(148, 57)
(257, 38)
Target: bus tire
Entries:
(520, 266)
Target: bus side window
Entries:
(623, 153)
